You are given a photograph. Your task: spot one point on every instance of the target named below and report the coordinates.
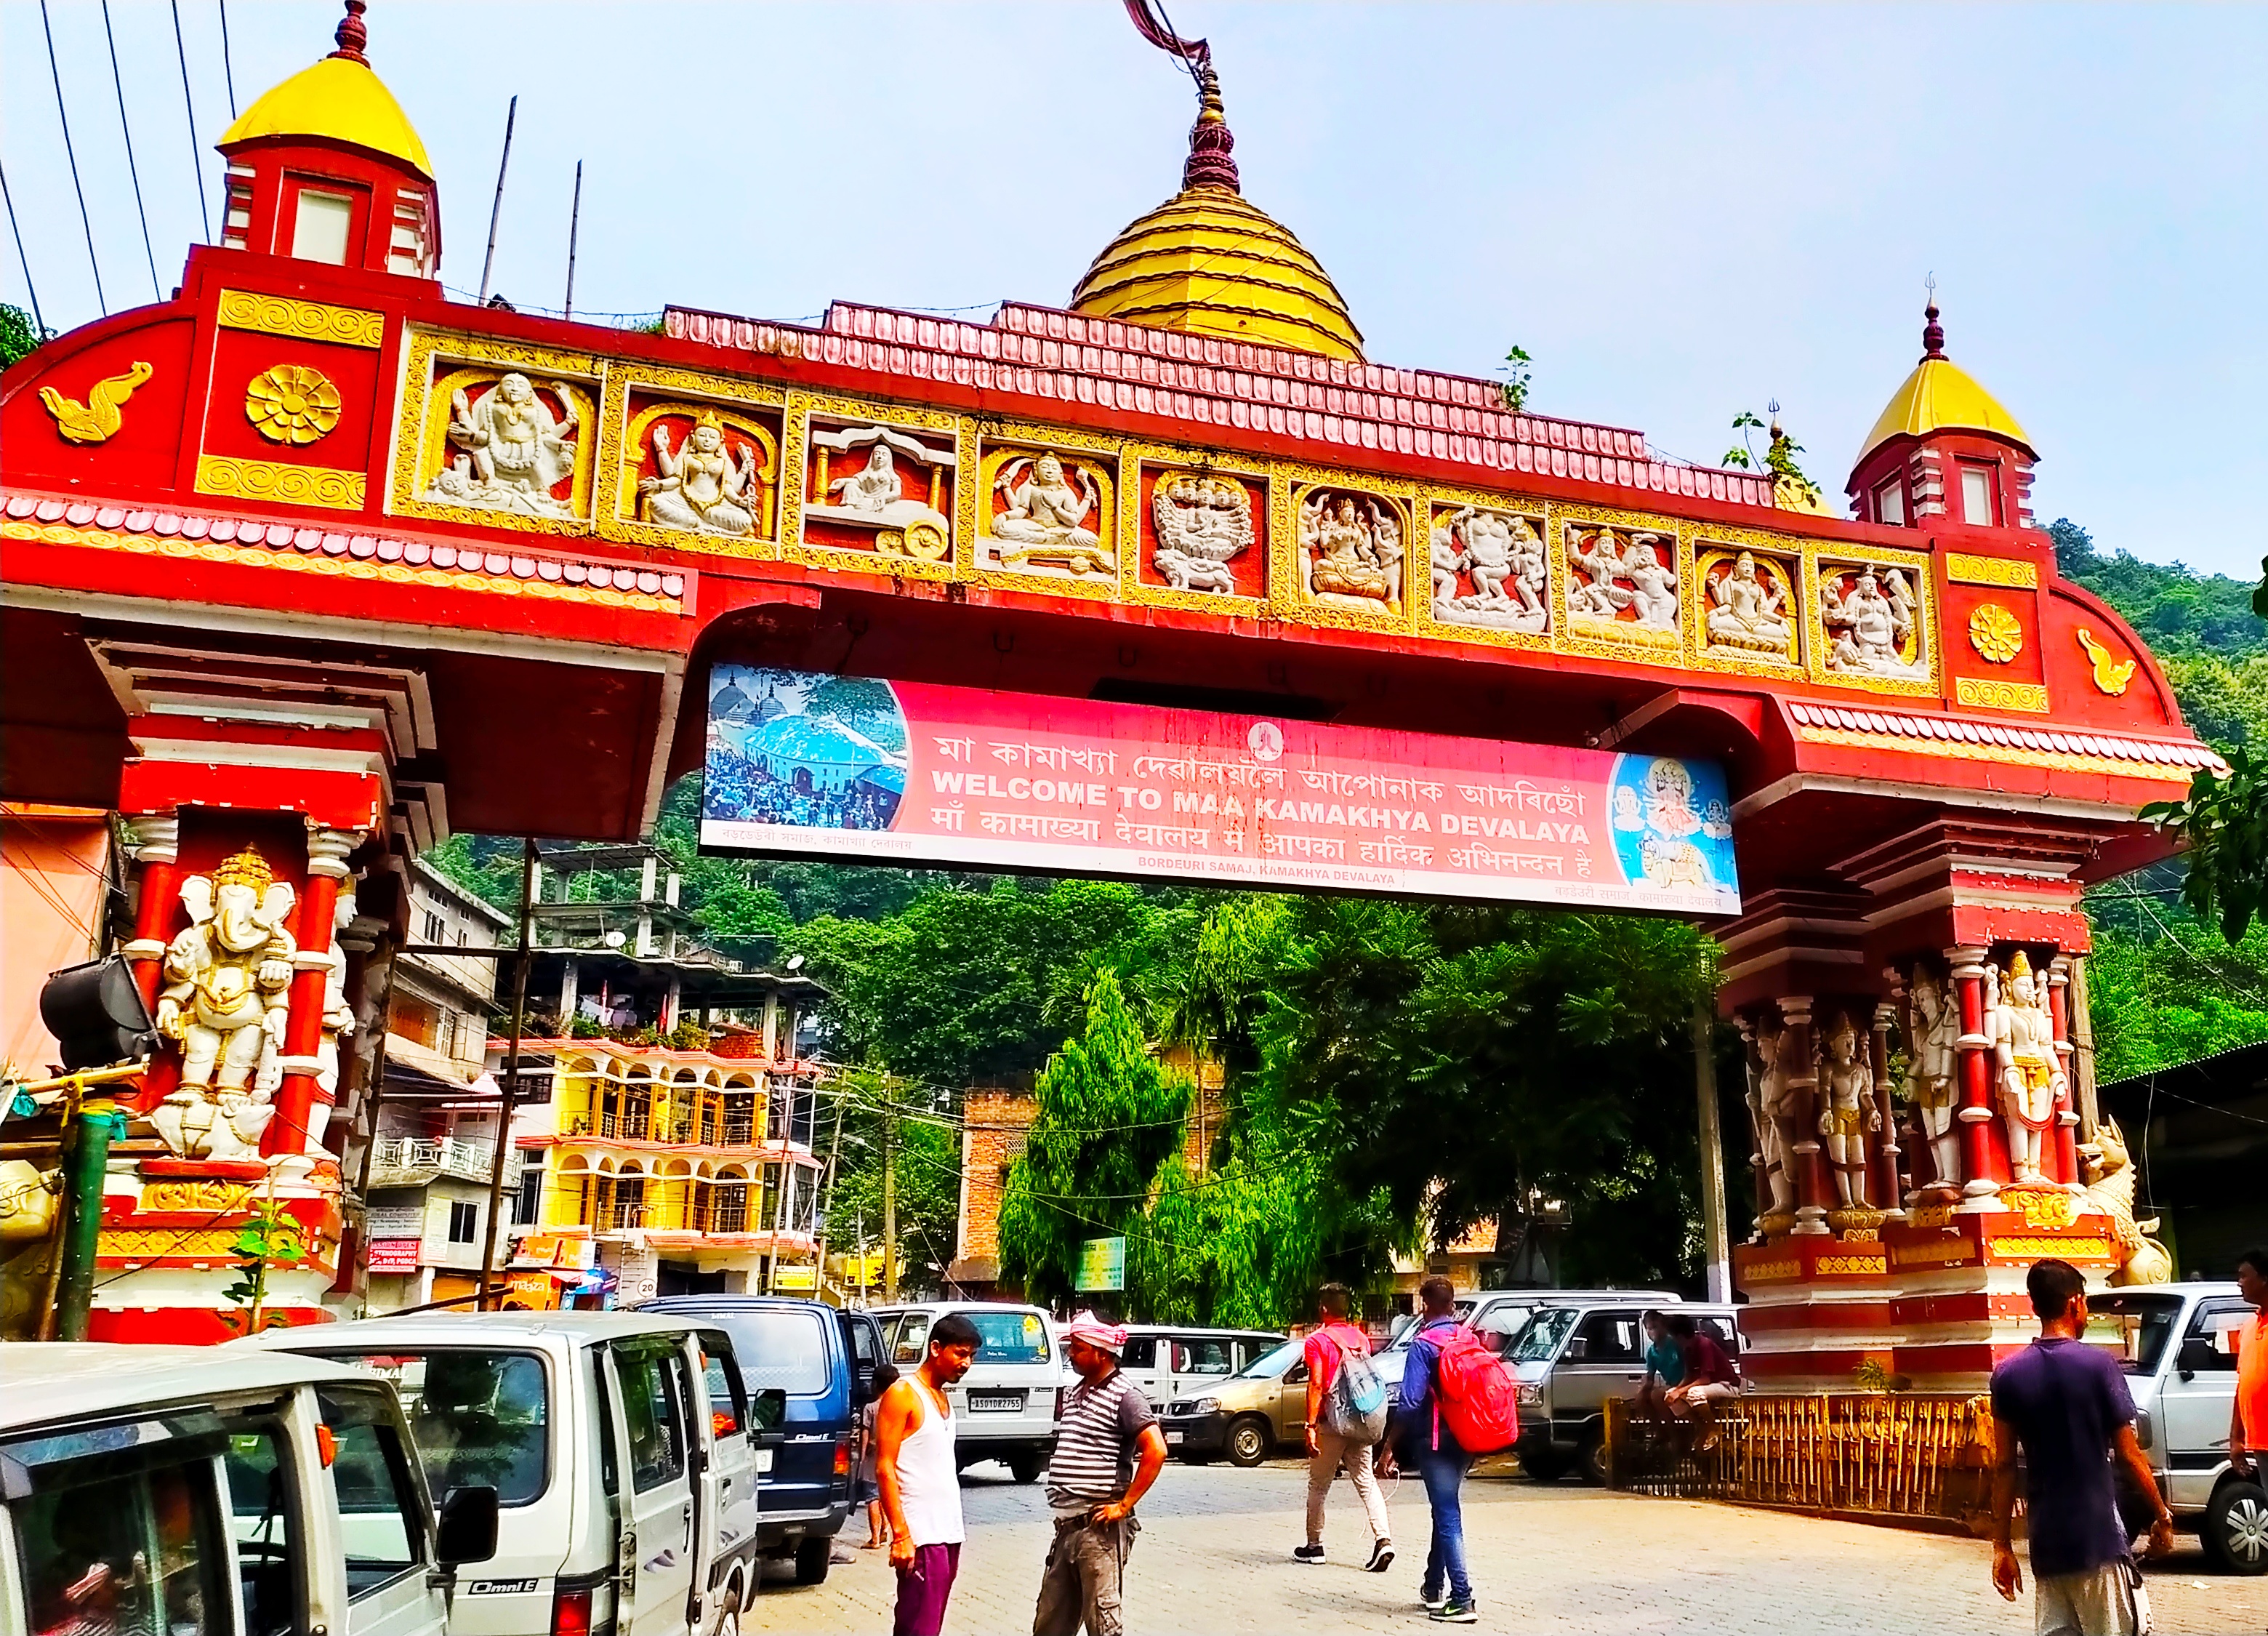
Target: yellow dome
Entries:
(1939, 394)
(339, 99)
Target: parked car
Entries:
(619, 1444)
(1010, 1397)
(2178, 1343)
(1168, 1361)
(823, 1360)
(199, 1489)
(1569, 1359)
(1499, 1315)
(1246, 1418)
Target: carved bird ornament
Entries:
(98, 419)
(2111, 673)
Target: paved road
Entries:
(1556, 1561)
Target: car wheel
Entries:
(813, 1557)
(1545, 1465)
(1026, 1468)
(1249, 1442)
(1591, 1462)
(2235, 1531)
(728, 1622)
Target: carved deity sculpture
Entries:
(1746, 610)
(1506, 564)
(1870, 630)
(1847, 1113)
(1045, 521)
(1204, 523)
(1773, 1103)
(1933, 1035)
(703, 488)
(1654, 585)
(1612, 575)
(874, 487)
(227, 982)
(2031, 1080)
(513, 450)
(1348, 558)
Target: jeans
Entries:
(1444, 1473)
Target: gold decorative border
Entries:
(1991, 693)
(2033, 1248)
(1850, 1266)
(2004, 755)
(300, 320)
(325, 486)
(1817, 564)
(980, 441)
(1677, 655)
(1966, 568)
(1784, 550)
(416, 438)
(795, 464)
(336, 567)
(1555, 569)
(727, 394)
(1169, 457)
(1294, 479)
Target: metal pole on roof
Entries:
(496, 214)
(574, 221)
(510, 1077)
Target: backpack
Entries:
(1474, 1393)
(1355, 1407)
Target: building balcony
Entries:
(407, 1156)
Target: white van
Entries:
(1009, 1400)
(1169, 1360)
(620, 1446)
(197, 1492)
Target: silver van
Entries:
(2178, 1344)
(1011, 1396)
(1569, 1359)
(1499, 1315)
(1178, 1360)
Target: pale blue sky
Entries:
(1682, 211)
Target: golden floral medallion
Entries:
(1994, 632)
(293, 403)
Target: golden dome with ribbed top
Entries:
(338, 100)
(1940, 396)
(1207, 262)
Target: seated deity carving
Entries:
(1348, 558)
(1504, 559)
(704, 488)
(1748, 610)
(1044, 522)
(872, 496)
(1204, 524)
(513, 451)
(1871, 628)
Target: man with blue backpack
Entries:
(1346, 1420)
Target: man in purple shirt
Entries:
(2064, 1403)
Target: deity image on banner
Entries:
(1350, 550)
(697, 469)
(1667, 818)
(879, 489)
(1750, 606)
(1204, 526)
(803, 750)
(1622, 587)
(1490, 570)
(1873, 620)
(1047, 511)
(510, 444)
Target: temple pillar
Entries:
(1984, 1148)
(1815, 1192)
(1887, 1190)
(303, 1101)
(2066, 1134)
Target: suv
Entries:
(1007, 1405)
(822, 1361)
(1569, 1360)
(2178, 1344)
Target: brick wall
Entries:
(992, 1135)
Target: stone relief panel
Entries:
(1201, 532)
(1872, 622)
(1623, 585)
(510, 441)
(1048, 511)
(1748, 605)
(699, 469)
(1350, 549)
(885, 490)
(1491, 568)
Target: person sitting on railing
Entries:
(1711, 1377)
(1665, 1363)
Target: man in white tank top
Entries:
(913, 1432)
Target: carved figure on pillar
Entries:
(227, 976)
(1775, 1103)
(1847, 1114)
(1934, 1032)
(2030, 1079)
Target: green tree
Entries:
(879, 1113)
(19, 335)
(2161, 991)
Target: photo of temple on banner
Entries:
(823, 752)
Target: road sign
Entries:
(1102, 1264)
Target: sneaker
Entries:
(1465, 1612)
(1312, 1555)
(1433, 1601)
(1381, 1557)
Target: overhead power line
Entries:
(126, 128)
(38, 320)
(181, 51)
(227, 66)
(71, 154)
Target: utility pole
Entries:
(786, 1191)
(889, 1193)
(827, 1209)
(1714, 1233)
(490, 1295)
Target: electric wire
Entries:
(181, 51)
(70, 153)
(227, 66)
(39, 320)
(126, 128)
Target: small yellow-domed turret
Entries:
(338, 100)
(1940, 396)
(1943, 449)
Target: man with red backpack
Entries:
(1456, 1402)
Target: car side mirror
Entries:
(1578, 1349)
(2197, 1354)
(767, 1410)
(1297, 1374)
(468, 1527)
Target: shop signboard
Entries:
(1101, 1265)
(394, 1254)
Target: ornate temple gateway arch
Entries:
(311, 565)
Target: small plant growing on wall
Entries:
(1516, 369)
(271, 1236)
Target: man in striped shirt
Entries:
(1108, 1451)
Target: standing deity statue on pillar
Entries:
(2031, 1080)
(1847, 1113)
(1774, 1103)
(1933, 1086)
(227, 982)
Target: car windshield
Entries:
(2139, 1326)
(1010, 1336)
(781, 1346)
(1272, 1366)
(1539, 1342)
(482, 1418)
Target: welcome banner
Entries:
(904, 773)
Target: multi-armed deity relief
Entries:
(1048, 512)
(1752, 608)
(2028, 1074)
(1204, 524)
(1622, 589)
(1489, 570)
(1350, 550)
(869, 506)
(227, 990)
(516, 448)
(715, 482)
(1870, 616)
(1933, 1034)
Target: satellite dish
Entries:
(795, 962)
(613, 939)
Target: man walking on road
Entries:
(1329, 1451)
(920, 1480)
(2248, 1418)
(1428, 1443)
(1109, 1451)
(2064, 1403)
